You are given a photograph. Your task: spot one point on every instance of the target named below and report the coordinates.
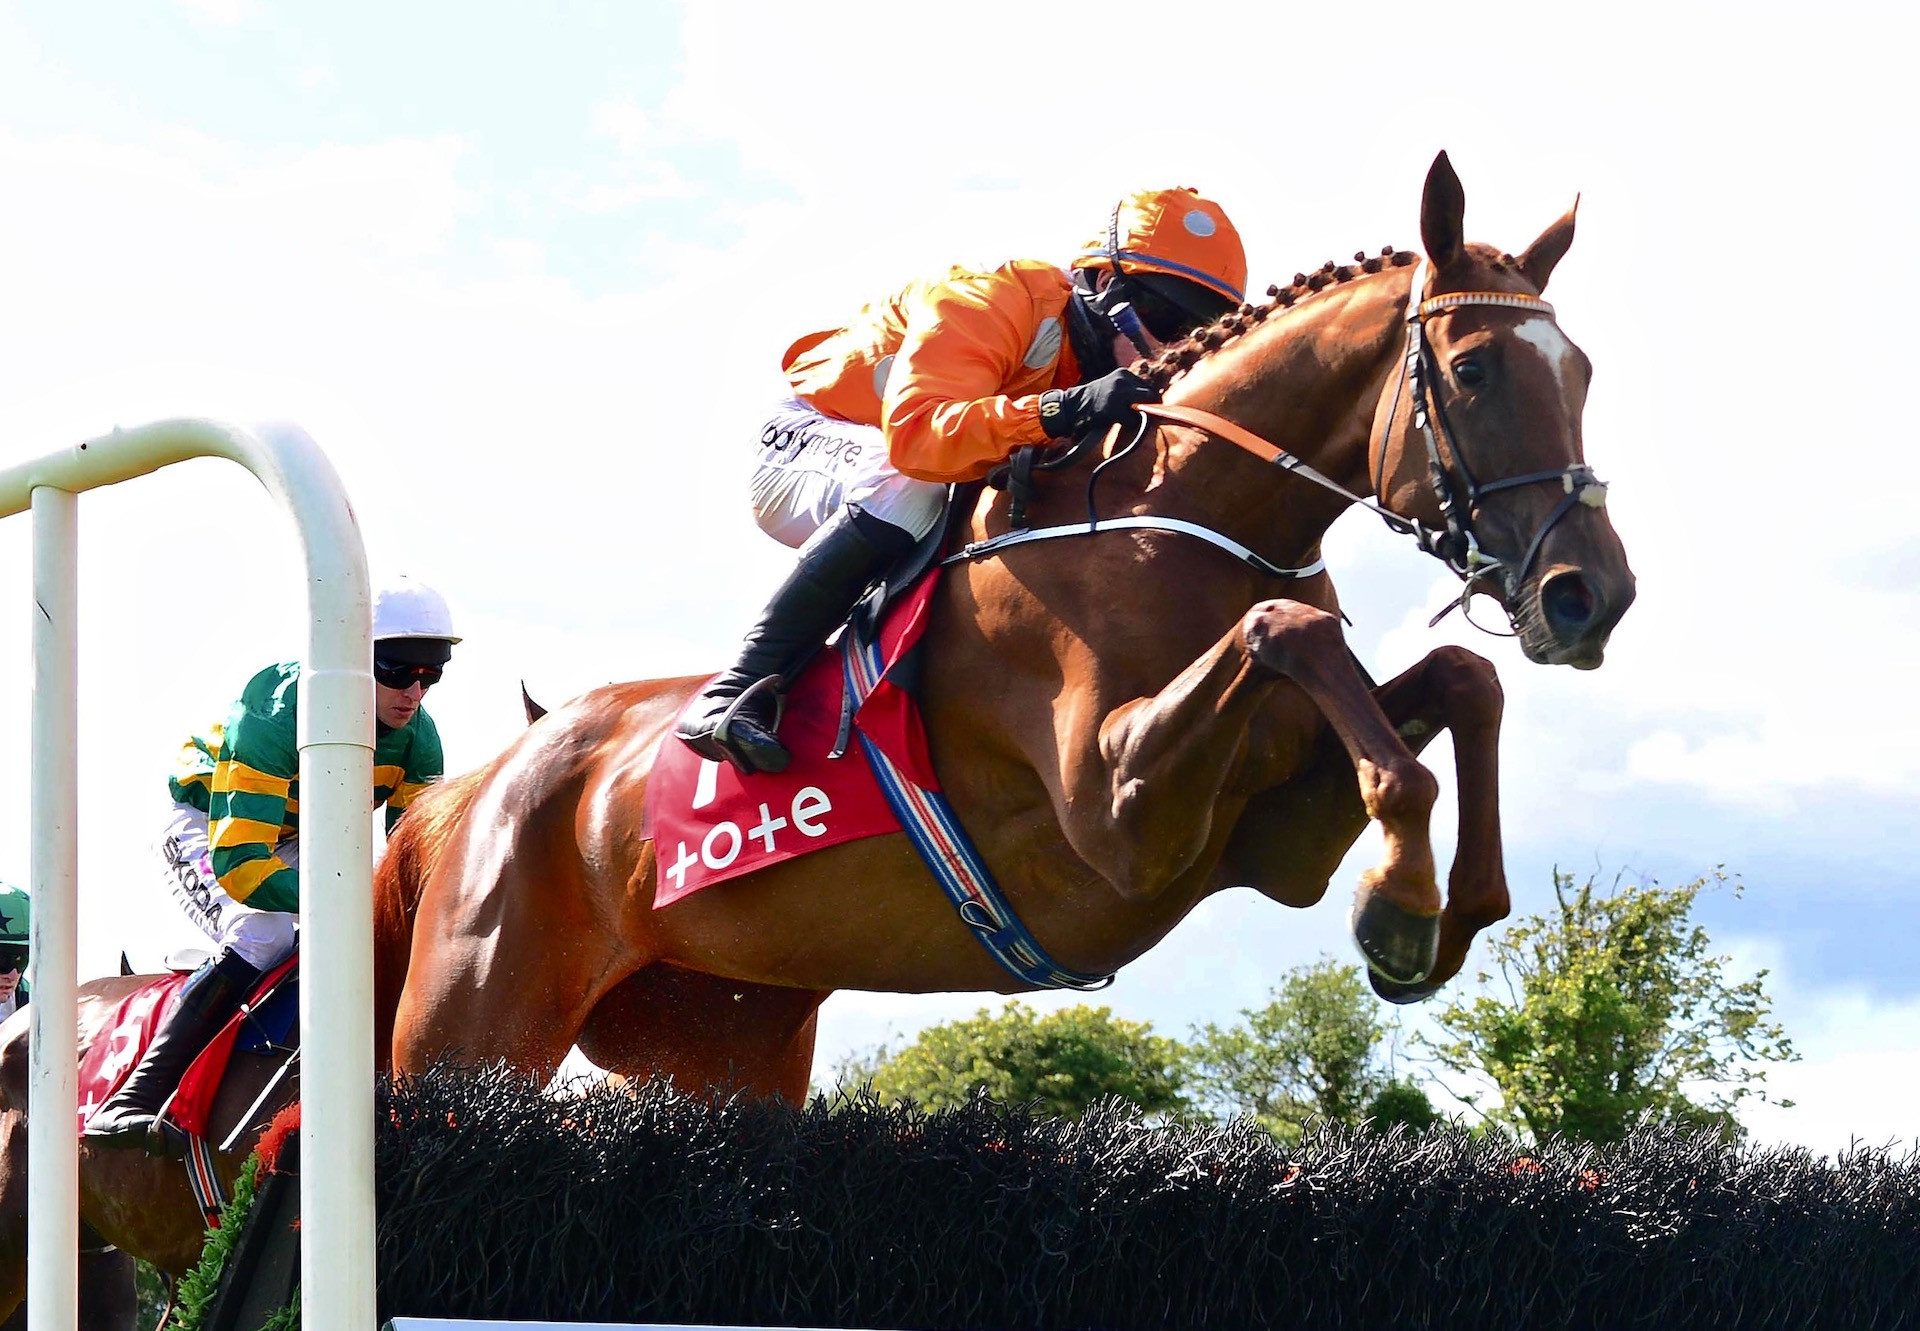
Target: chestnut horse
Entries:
(131, 1205)
(1126, 722)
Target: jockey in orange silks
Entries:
(938, 383)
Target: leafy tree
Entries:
(1612, 1007)
(1312, 1051)
(1403, 1104)
(152, 1291)
(1065, 1060)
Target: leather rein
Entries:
(1454, 543)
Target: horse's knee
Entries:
(1284, 635)
(1399, 795)
(1466, 686)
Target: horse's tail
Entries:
(398, 881)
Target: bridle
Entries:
(1454, 543)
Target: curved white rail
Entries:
(336, 899)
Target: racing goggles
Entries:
(401, 675)
(13, 957)
(1171, 307)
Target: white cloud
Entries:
(1859, 1074)
(222, 13)
(627, 124)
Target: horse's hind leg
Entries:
(706, 1033)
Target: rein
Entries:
(1020, 534)
(1454, 544)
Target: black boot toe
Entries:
(118, 1130)
(748, 746)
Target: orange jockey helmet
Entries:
(1180, 253)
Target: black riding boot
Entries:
(130, 1117)
(734, 718)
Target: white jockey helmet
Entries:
(409, 611)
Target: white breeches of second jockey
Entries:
(810, 466)
(261, 938)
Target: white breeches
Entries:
(809, 466)
(261, 938)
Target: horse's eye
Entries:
(1469, 372)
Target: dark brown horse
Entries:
(1126, 722)
(130, 1204)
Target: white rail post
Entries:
(336, 908)
(53, 1156)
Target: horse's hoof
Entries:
(1400, 993)
(1400, 947)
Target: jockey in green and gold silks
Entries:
(16, 932)
(232, 845)
(244, 775)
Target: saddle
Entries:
(710, 824)
(263, 1025)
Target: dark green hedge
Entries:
(497, 1201)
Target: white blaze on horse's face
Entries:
(1543, 334)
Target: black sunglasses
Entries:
(13, 957)
(395, 675)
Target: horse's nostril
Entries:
(1569, 603)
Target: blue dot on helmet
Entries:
(1199, 222)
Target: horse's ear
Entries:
(1443, 207)
(533, 709)
(1537, 263)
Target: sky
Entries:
(526, 275)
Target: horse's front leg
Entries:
(1139, 805)
(1137, 791)
(1396, 910)
(1292, 837)
(1458, 691)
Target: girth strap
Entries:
(949, 853)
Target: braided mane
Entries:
(1177, 358)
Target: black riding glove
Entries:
(1106, 401)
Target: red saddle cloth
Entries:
(131, 1028)
(105, 1063)
(709, 823)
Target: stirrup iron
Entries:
(723, 728)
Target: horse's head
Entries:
(1478, 437)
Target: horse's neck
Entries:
(1308, 380)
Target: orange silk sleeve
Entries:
(949, 413)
